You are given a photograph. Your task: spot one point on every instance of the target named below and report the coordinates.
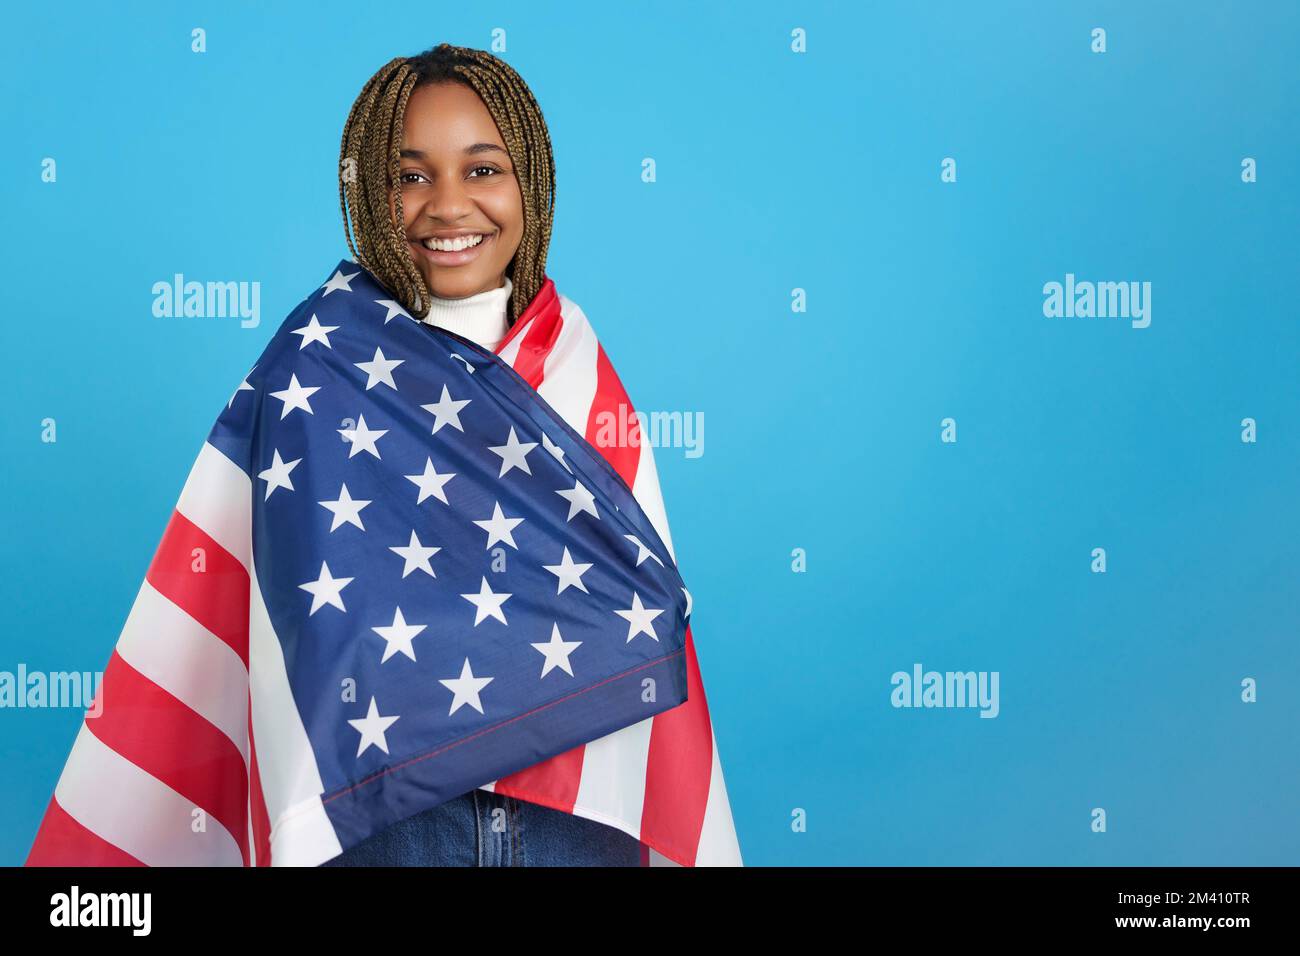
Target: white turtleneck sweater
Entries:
(480, 317)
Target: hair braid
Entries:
(370, 163)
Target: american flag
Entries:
(402, 567)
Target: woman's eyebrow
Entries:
(469, 151)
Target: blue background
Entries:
(776, 171)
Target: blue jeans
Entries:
(481, 828)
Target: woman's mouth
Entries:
(452, 252)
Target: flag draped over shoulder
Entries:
(402, 567)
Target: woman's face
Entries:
(457, 180)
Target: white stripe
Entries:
(136, 812)
(285, 761)
(217, 498)
(511, 352)
(304, 836)
(645, 489)
(188, 661)
(569, 376)
(718, 843)
(613, 776)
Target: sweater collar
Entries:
(480, 317)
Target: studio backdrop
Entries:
(964, 335)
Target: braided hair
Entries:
(369, 165)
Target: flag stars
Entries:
(579, 499)
(326, 589)
(398, 636)
(638, 618)
(465, 689)
(372, 728)
(431, 483)
(642, 551)
(277, 476)
(416, 556)
(362, 437)
(379, 369)
(313, 331)
(556, 451)
(346, 509)
(499, 527)
(513, 454)
(487, 604)
(556, 651)
(446, 411)
(338, 283)
(569, 573)
(393, 308)
(295, 396)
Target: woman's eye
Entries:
(490, 169)
(404, 177)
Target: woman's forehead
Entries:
(448, 118)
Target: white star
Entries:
(499, 527)
(243, 387)
(430, 483)
(642, 551)
(345, 509)
(557, 651)
(313, 331)
(379, 369)
(398, 635)
(556, 451)
(326, 589)
(339, 281)
(446, 411)
(513, 453)
(277, 476)
(579, 499)
(417, 556)
(465, 689)
(372, 728)
(487, 604)
(639, 617)
(393, 308)
(688, 601)
(295, 396)
(568, 573)
(363, 438)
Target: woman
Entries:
(475, 240)
(260, 708)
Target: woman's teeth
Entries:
(453, 245)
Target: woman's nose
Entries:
(446, 200)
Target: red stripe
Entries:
(257, 799)
(62, 841)
(678, 771)
(552, 783)
(547, 301)
(162, 736)
(215, 594)
(611, 425)
(541, 323)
